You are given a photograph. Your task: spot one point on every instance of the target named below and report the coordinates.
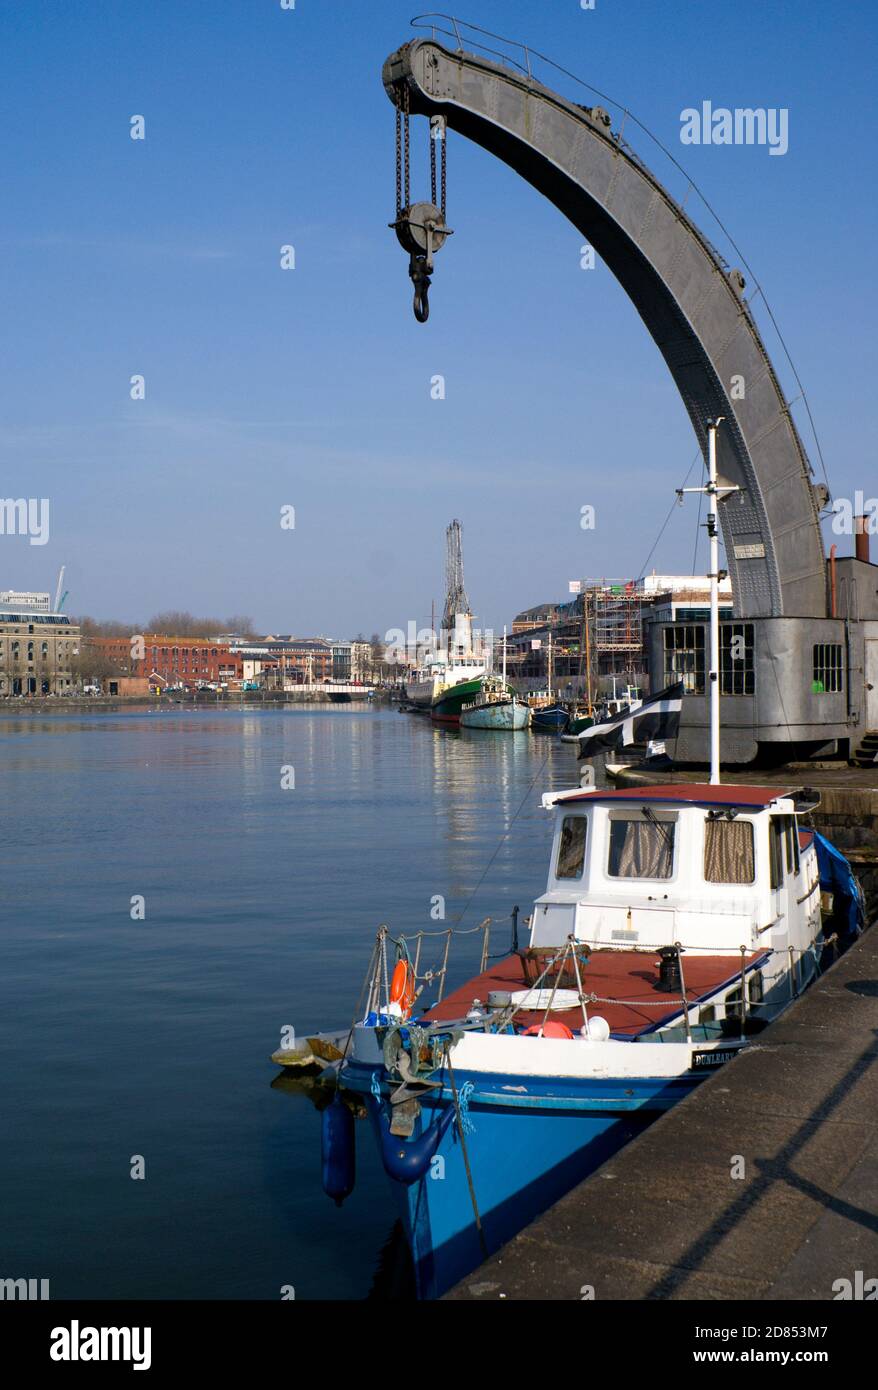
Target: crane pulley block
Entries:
(420, 228)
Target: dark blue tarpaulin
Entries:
(837, 878)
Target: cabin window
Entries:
(571, 847)
(791, 843)
(828, 669)
(641, 848)
(775, 845)
(733, 1002)
(728, 851)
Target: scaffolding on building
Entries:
(615, 616)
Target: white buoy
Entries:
(596, 1030)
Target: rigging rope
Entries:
(664, 525)
(502, 839)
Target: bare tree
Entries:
(98, 627)
(180, 623)
(241, 626)
(95, 663)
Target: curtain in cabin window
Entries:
(728, 851)
(641, 849)
(571, 850)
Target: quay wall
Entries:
(13, 707)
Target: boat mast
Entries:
(504, 660)
(549, 668)
(712, 532)
(588, 701)
(714, 491)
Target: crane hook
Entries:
(421, 279)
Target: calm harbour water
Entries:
(153, 1038)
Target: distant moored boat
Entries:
(495, 708)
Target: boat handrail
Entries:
(556, 962)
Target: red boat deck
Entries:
(627, 978)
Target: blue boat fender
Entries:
(338, 1150)
(407, 1160)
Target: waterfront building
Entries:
(342, 661)
(543, 615)
(618, 616)
(169, 660)
(38, 648)
(361, 662)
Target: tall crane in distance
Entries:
(457, 618)
(59, 596)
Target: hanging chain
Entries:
(403, 157)
(432, 166)
(407, 143)
(398, 158)
(439, 136)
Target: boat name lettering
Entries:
(711, 1059)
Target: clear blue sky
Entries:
(311, 387)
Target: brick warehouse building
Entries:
(174, 660)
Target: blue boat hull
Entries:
(525, 1151)
(552, 720)
(503, 715)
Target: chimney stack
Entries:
(861, 539)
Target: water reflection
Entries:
(261, 908)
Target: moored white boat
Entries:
(426, 683)
(677, 923)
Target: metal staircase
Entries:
(867, 753)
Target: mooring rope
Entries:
(465, 1151)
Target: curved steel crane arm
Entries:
(691, 306)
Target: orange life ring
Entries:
(552, 1029)
(402, 987)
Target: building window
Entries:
(736, 659)
(828, 668)
(641, 848)
(684, 657)
(728, 851)
(571, 847)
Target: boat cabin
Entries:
(715, 867)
